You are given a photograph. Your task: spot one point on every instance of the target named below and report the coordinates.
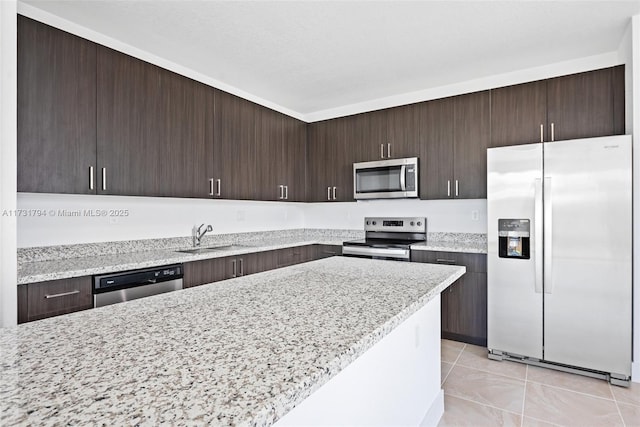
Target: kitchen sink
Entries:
(212, 249)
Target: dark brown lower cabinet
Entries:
(47, 299)
(326, 251)
(464, 303)
(295, 255)
(198, 273)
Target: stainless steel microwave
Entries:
(386, 179)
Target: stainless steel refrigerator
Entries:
(559, 255)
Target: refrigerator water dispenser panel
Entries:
(514, 238)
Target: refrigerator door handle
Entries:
(548, 234)
(538, 235)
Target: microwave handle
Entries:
(403, 179)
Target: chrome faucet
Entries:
(198, 235)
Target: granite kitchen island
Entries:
(244, 351)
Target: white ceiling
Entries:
(310, 56)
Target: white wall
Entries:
(462, 216)
(8, 164)
(146, 217)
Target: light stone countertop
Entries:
(40, 271)
(454, 242)
(243, 351)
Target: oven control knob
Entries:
(419, 223)
(374, 223)
(367, 222)
(412, 223)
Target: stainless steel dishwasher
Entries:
(129, 285)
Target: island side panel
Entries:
(396, 382)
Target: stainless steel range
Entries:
(388, 238)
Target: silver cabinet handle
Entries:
(388, 150)
(63, 294)
(537, 235)
(382, 151)
(334, 193)
(211, 187)
(548, 232)
(241, 267)
(553, 136)
(456, 188)
(448, 188)
(104, 179)
(281, 189)
(218, 188)
(541, 132)
(235, 270)
(90, 177)
(286, 192)
(328, 193)
(449, 261)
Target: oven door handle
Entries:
(373, 252)
(403, 177)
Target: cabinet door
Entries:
(581, 105)
(151, 130)
(295, 255)
(519, 114)
(198, 273)
(56, 110)
(235, 150)
(436, 149)
(270, 150)
(293, 154)
(318, 163)
(467, 310)
(52, 298)
(403, 132)
(325, 251)
(374, 135)
(471, 138)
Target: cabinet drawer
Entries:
(475, 263)
(47, 299)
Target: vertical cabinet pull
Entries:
(382, 151)
(448, 188)
(328, 193)
(211, 187)
(388, 150)
(553, 136)
(281, 194)
(456, 188)
(241, 267)
(90, 177)
(541, 132)
(235, 270)
(286, 192)
(104, 179)
(218, 188)
(334, 193)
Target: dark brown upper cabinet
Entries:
(519, 114)
(281, 150)
(582, 105)
(56, 110)
(236, 154)
(454, 135)
(151, 129)
(332, 150)
(388, 134)
(471, 134)
(436, 148)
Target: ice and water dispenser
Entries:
(514, 238)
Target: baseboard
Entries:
(482, 342)
(435, 412)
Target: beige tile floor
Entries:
(483, 392)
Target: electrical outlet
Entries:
(474, 215)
